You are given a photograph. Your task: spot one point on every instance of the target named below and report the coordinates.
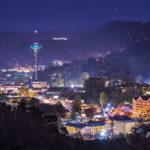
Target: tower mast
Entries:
(35, 47)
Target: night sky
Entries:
(26, 15)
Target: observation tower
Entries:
(35, 47)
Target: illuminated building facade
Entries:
(123, 126)
(88, 130)
(40, 84)
(141, 107)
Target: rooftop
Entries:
(144, 97)
(123, 119)
(89, 124)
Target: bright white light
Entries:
(72, 86)
(97, 116)
(35, 31)
(55, 96)
(103, 133)
(60, 38)
(40, 97)
(108, 104)
(107, 109)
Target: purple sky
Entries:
(26, 15)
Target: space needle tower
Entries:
(35, 47)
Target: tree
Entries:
(103, 99)
(94, 95)
(2, 96)
(23, 91)
(34, 101)
(23, 102)
(32, 94)
(83, 77)
(78, 136)
(57, 80)
(77, 104)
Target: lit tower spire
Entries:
(36, 47)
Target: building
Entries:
(58, 92)
(40, 84)
(123, 125)
(141, 107)
(87, 130)
(74, 128)
(56, 109)
(38, 87)
(54, 92)
(10, 89)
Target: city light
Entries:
(60, 38)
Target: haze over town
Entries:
(74, 74)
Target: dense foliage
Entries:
(25, 129)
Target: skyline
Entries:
(21, 15)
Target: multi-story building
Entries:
(123, 125)
(141, 107)
(40, 84)
(88, 130)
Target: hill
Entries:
(115, 36)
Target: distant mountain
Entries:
(119, 36)
(15, 46)
(133, 37)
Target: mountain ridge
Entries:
(111, 37)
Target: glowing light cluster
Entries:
(60, 38)
(19, 69)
